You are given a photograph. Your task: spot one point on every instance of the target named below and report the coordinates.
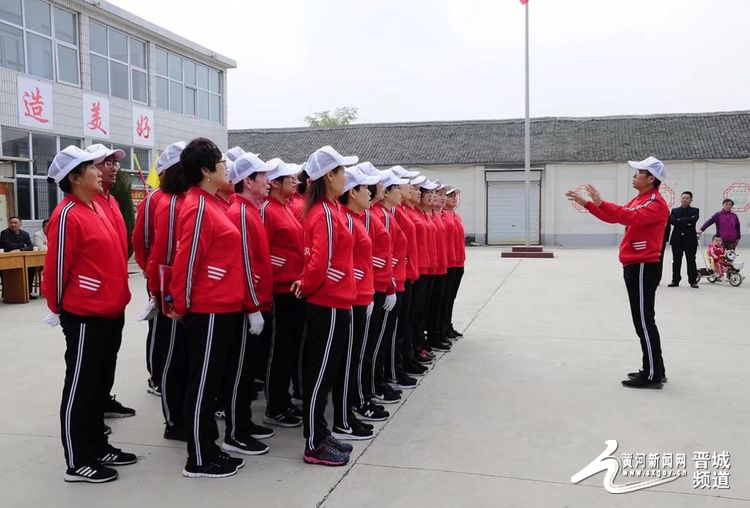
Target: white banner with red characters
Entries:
(95, 117)
(143, 126)
(35, 104)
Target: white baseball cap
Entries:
(99, 148)
(403, 173)
(170, 156)
(428, 185)
(439, 184)
(68, 158)
(388, 178)
(245, 166)
(277, 168)
(454, 190)
(234, 153)
(652, 165)
(355, 176)
(368, 169)
(418, 180)
(326, 159)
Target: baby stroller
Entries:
(731, 268)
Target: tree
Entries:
(342, 116)
(121, 192)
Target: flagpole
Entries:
(527, 138)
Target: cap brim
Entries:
(637, 165)
(400, 181)
(371, 180)
(349, 160)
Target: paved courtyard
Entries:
(522, 403)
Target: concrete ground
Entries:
(521, 404)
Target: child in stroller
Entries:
(722, 262)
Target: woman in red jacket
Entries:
(436, 338)
(207, 293)
(285, 239)
(426, 198)
(169, 335)
(451, 203)
(355, 200)
(328, 284)
(87, 294)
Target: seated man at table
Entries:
(14, 239)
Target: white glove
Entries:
(256, 323)
(369, 309)
(151, 310)
(390, 302)
(52, 319)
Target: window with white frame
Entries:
(185, 86)
(36, 196)
(118, 63)
(39, 39)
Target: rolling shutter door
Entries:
(506, 223)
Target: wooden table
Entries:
(14, 266)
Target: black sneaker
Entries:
(214, 468)
(234, 461)
(91, 473)
(673, 284)
(296, 411)
(338, 445)
(405, 382)
(153, 389)
(115, 457)
(451, 334)
(368, 413)
(324, 454)
(413, 368)
(694, 285)
(174, 433)
(440, 346)
(114, 409)
(248, 446)
(641, 382)
(353, 420)
(390, 390)
(640, 373)
(353, 433)
(285, 419)
(259, 431)
(107, 430)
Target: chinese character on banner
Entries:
(95, 117)
(143, 126)
(35, 103)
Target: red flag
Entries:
(524, 2)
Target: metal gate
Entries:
(506, 214)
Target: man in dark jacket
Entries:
(15, 238)
(684, 240)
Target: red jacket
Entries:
(327, 279)
(450, 235)
(297, 205)
(285, 239)
(398, 244)
(405, 220)
(382, 256)
(85, 271)
(143, 231)
(111, 210)
(256, 258)
(459, 239)
(208, 271)
(422, 231)
(645, 217)
(362, 257)
(166, 219)
(440, 242)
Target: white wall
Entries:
(563, 225)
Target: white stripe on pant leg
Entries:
(266, 389)
(201, 386)
(151, 349)
(345, 401)
(393, 351)
(377, 350)
(299, 359)
(240, 366)
(360, 387)
(163, 384)
(311, 439)
(643, 324)
(71, 395)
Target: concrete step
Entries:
(540, 255)
(538, 248)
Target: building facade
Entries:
(80, 72)
(706, 154)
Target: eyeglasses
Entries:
(110, 165)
